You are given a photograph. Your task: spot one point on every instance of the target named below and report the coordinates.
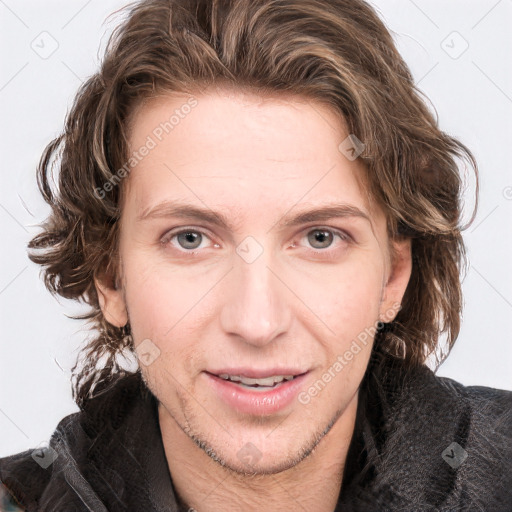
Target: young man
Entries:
(254, 200)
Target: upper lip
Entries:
(254, 373)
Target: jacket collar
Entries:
(126, 448)
(406, 418)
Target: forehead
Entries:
(231, 147)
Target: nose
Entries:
(255, 308)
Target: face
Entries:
(248, 247)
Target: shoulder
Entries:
(474, 410)
(482, 419)
(443, 401)
(26, 476)
(484, 425)
(479, 418)
(447, 445)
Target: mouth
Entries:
(262, 384)
(257, 395)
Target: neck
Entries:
(203, 484)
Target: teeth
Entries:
(268, 381)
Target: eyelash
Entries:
(345, 237)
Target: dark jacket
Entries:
(421, 442)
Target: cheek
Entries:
(155, 304)
(164, 310)
(348, 299)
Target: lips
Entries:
(253, 398)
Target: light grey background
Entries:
(471, 90)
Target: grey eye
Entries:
(320, 236)
(189, 239)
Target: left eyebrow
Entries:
(184, 210)
(325, 213)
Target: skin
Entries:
(301, 303)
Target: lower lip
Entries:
(256, 402)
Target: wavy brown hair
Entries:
(337, 52)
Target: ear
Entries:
(111, 299)
(398, 279)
